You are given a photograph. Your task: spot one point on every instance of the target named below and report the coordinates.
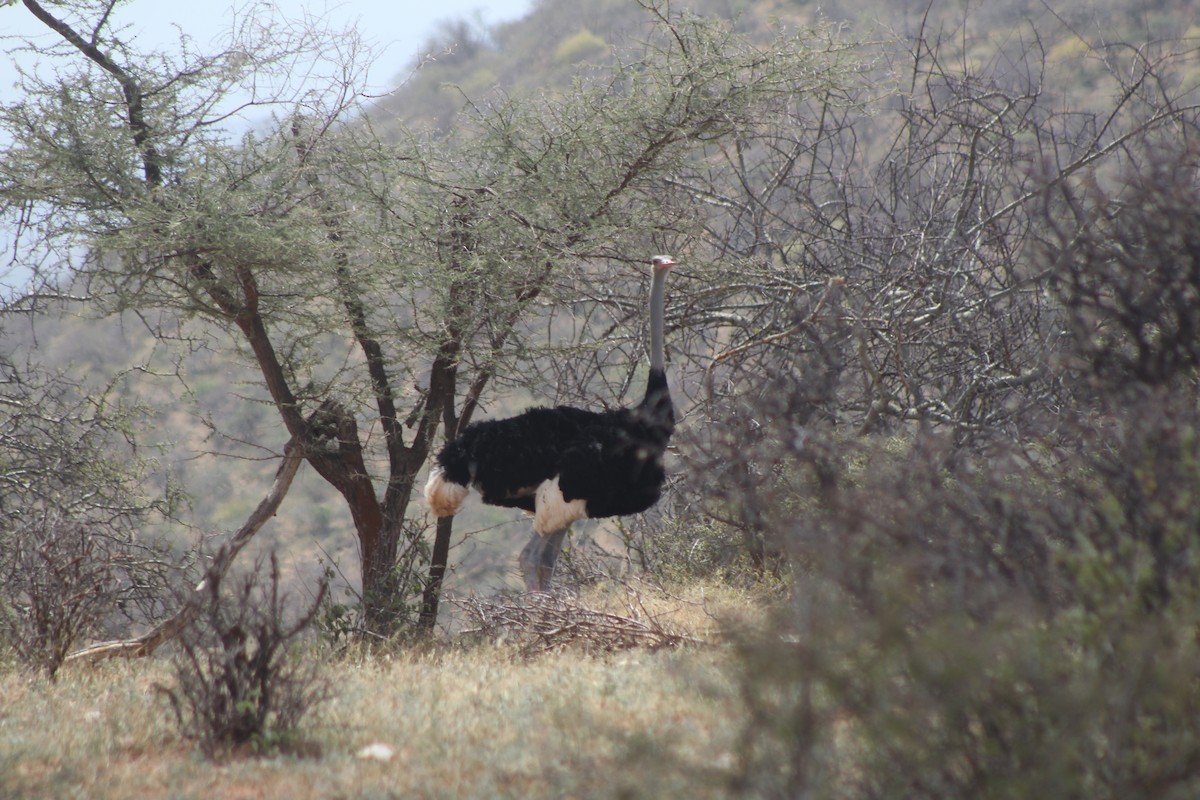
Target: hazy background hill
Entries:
(546, 49)
(204, 408)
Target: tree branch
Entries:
(130, 87)
(166, 630)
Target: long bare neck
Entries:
(657, 320)
(656, 406)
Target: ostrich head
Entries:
(662, 263)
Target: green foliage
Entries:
(681, 549)
(339, 622)
(342, 621)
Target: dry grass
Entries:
(478, 721)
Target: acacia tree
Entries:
(379, 287)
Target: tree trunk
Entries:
(438, 560)
(383, 591)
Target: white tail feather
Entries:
(444, 496)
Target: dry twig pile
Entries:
(540, 623)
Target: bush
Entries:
(1126, 268)
(60, 582)
(73, 505)
(237, 681)
(682, 548)
(1001, 621)
(986, 627)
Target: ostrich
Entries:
(563, 464)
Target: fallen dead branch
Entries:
(148, 642)
(541, 622)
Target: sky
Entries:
(394, 29)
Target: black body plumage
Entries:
(613, 460)
(563, 463)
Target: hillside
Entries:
(213, 412)
(547, 49)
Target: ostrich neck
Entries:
(657, 319)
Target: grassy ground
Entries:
(462, 721)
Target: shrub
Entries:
(73, 506)
(685, 547)
(237, 681)
(1126, 266)
(60, 583)
(1013, 621)
(986, 627)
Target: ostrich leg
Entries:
(531, 556)
(538, 559)
(554, 546)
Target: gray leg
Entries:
(530, 559)
(550, 551)
(538, 559)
